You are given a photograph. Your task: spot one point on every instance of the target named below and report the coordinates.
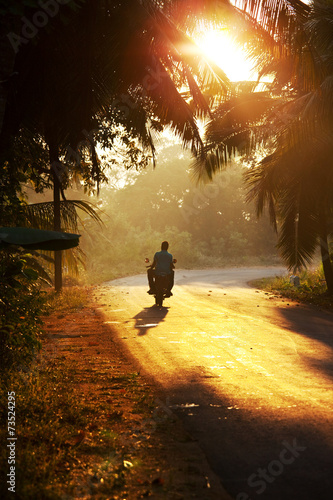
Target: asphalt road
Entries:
(249, 374)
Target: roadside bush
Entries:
(312, 288)
(21, 304)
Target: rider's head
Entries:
(165, 245)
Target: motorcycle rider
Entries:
(162, 264)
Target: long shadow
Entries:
(266, 453)
(263, 452)
(315, 325)
(148, 318)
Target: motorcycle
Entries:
(161, 286)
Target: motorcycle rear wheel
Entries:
(159, 299)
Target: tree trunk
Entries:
(54, 158)
(57, 227)
(327, 264)
(7, 60)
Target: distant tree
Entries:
(213, 222)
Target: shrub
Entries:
(21, 304)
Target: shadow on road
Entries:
(259, 449)
(149, 317)
(271, 455)
(317, 326)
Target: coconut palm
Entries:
(120, 63)
(296, 178)
(288, 129)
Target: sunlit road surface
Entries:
(249, 374)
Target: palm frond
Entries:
(237, 127)
(32, 259)
(41, 215)
(263, 181)
(274, 16)
(298, 234)
(279, 41)
(130, 62)
(186, 13)
(88, 208)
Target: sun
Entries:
(219, 47)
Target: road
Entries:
(249, 374)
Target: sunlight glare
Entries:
(219, 47)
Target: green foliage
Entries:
(41, 216)
(133, 84)
(24, 161)
(21, 304)
(10, 195)
(312, 287)
(206, 226)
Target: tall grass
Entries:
(69, 299)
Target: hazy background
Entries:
(207, 226)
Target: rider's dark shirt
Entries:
(163, 261)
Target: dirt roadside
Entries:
(134, 447)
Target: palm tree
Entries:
(120, 62)
(290, 125)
